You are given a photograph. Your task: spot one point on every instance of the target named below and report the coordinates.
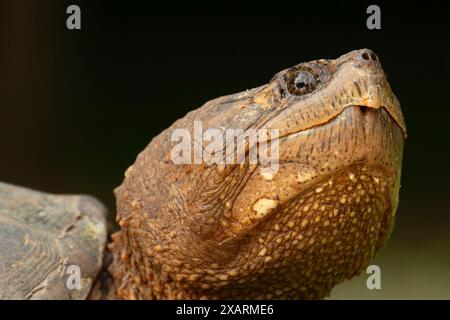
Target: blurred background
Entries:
(76, 107)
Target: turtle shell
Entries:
(51, 246)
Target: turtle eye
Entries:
(302, 83)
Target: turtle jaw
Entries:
(356, 136)
(344, 191)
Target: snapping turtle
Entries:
(231, 227)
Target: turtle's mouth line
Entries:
(364, 109)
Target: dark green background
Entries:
(76, 107)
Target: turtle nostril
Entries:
(368, 55)
(363, 109)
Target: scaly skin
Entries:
(231, 231)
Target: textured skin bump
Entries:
(236, 231)
(41, 235)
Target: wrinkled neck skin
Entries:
(198, 231)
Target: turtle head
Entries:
(238, 227)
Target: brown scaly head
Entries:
(240, 231)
